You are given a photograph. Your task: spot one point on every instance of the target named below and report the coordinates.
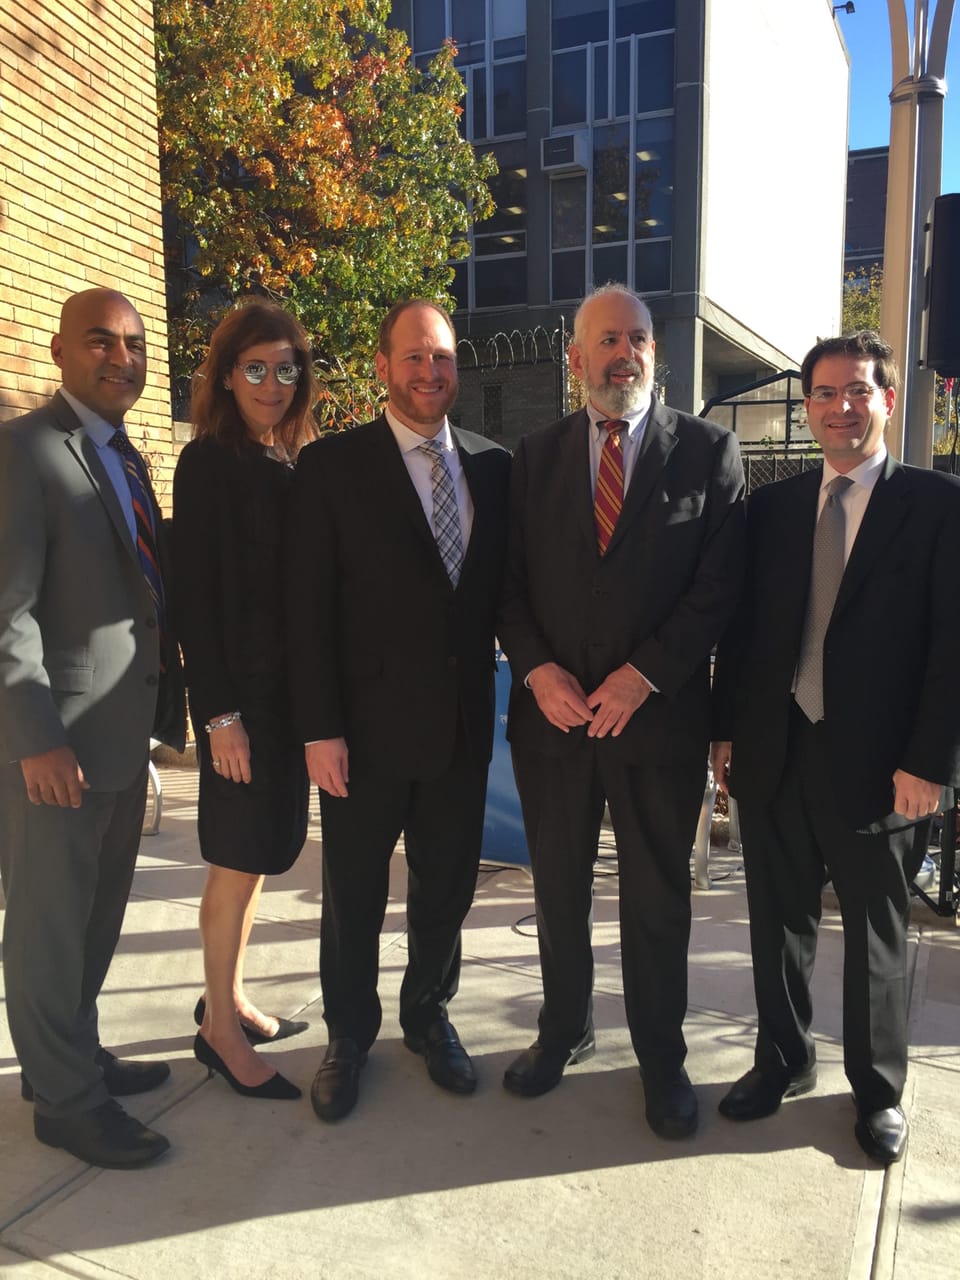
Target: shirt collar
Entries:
(408, 439)
(635, 421)
(866, 473)
(98, 429)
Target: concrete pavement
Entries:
(417, 1181)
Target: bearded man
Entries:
(624, 564)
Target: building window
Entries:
(491, 55)
(492, 409)
(613, 74)
(495, 275)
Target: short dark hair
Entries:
(389, 321)
(866, 343)
(212, 407)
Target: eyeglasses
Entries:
(256, 370)
(854, 393)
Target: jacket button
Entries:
(152, 679)
(151, 622)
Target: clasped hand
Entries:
(607, 710)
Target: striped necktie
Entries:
(446, 514)
(608, 497)
(146, 540)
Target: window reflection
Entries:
(611, 183)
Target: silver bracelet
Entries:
(221, 722)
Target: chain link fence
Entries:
(763, 466)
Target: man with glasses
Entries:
(837, 723)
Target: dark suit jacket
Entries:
(79, 651)
(383, 651)
(658, 599)
(228, 527)
(891, 688)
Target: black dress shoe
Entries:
(105, 1136)
(540, 1068)
(122, 1076)
(336, 1085)
(883, 1134)
(670, 1104)
(759, 1093)
(448, 1063)
(285, 1028)
(277, 1089)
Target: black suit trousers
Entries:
(791, 847)
(441, 820)
(654, 814)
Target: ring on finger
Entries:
(216, 764)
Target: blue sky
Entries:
(867, 35)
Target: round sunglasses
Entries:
(255, 371)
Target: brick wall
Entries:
(80, 193)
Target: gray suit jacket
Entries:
(79, 644)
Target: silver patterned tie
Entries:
(825, 575)
(446, 516)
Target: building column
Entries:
(680, 363)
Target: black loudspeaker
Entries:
(943, 288)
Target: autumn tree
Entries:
(862, 294)
(862, 291)
(305, 156)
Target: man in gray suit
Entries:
(87, 673)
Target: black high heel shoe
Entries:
(278, 1088)
(284, 1030)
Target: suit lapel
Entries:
(481, 507)
(659, 441)
(390, 480)
(796, 520)
(574, 460)
(84, 452)
(885, 513)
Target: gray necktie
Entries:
(825, 575)
(446, 516)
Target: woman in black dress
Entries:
(251, 410)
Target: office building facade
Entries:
(695, 149)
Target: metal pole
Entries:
(913, 182)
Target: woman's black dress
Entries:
(228, 518)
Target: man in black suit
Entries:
(88, 671)
(623, 568)
(397, 540)
(837, 719)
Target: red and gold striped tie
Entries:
(608, 499)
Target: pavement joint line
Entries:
(866, 1233)
(891, 1203)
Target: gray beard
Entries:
(617, 401)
